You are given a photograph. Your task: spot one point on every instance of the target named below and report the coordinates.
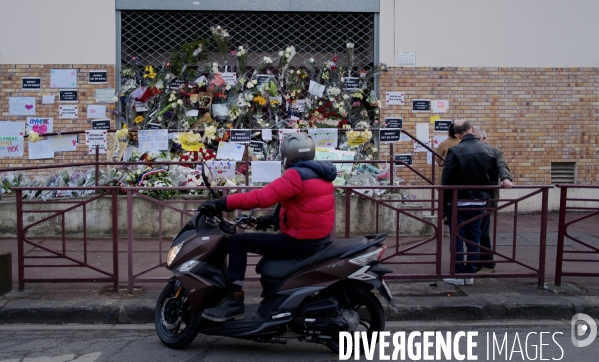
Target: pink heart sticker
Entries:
(92, 111)
(60, 107)
(40, 128)
(29, 106)
(74, 142)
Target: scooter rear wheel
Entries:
(367, 306)
(172, 318)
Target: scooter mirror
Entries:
(207, 177)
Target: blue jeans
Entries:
(471, 232)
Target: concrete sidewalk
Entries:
(416, 300)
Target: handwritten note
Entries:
(96, 111)
(40, 125)
(40, 150)
(63, 143)
(152, 140)
(316, 88)
(230, 151)
(21, 106)
(11, 146)
(8, 128)
(63, 78)
(105, 95)
(221, 169)
(324, 137)
(265, 171)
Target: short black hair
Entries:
(462, 128)
(451, 131)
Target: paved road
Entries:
(131, 343)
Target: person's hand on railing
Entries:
(506, 183)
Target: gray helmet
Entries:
(297, 147)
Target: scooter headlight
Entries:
(172, 254)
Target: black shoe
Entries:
(489, 267)
(230, 308)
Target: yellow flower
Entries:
(260, 101)
(122, 133)
(209, 133)
(34, 136)
(138, 119)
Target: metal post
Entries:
(347, 211)
(439, 232)
(247, 165)
(130, 241)
(97, 166)
(391, 163)
(543, 250)
(115, 240)
(20, 236)
(561, 232)
(453, 232)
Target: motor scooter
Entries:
(311, 299)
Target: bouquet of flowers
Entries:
(221, 37)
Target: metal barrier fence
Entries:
(582, 254)
(412, 257)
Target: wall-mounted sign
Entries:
(241, 136)
(31, 83)
(406, 58)
(394, 98)
(257, 147)
(97, 77)
(440, 105)
(101, 124)
(442, 125)
(421, 105)
(406, 158)
(389, 135)
(393, 122)
(68, 95)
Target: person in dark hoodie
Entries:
(305, 215)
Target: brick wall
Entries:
(11, 80)
(535, 115)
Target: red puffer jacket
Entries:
(307, 198)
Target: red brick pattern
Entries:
(11, 79)
(535, 115)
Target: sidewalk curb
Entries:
(408, 309)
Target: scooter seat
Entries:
(280, 268)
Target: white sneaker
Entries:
(459, 281)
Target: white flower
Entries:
(281, 53)
(287, 56)
(228, 87)
(383, 67)
(180, 102)
(342, 79)
(311, 60)
(350, 45)
(345, 96)
(298, 72)
(374, 149)
(249, 96)
(288, 50)
(159, 119)
(255, 81)
(250, 85)
(115, 99)
(173, 105)
(267, 60)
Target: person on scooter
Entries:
(305, 215)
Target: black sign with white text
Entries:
(101, 124)
(68, 95)
(31, 83)
(241, 136)
(421, 105)
(406, 158)
(98, 77)
(351, 83)
(177, 83)
(262, 78)
(153, 126)
(256, 147)
(442, 126)
(389, 135)
(393, 122)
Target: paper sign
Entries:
(176, 83)
(21, 106)
(11, 146)
(152, 140)
(220, 169)
(389, 135)
(351, 83)
(48, 99)
(419, 148)
(63, 143)
(95, 138)
(230, 78)
(336, 155)
(31, 83)
(267, 134)
(422, 131)
(40, 150)
(68, 111)
(257, 147)
(393, 122)
(421, 105)
(230, 151)
(102, 150)
(324, 137)
(97, 77)
(405, 157)
(394, 98)
(442, 125)
(68, 95)
(63, 78)
(40, 125)
(406, 58)
(189, 142)
(105, 95)
(439, 139)
(440, 106)
(192, 113)
(101, 124)
(8, 128)
(240, 136)
(140, 107)
(265, 171)
(286, 131)
(316, 89)
(262, 78)
(96, 111)
(435, 118)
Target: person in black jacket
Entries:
(470, 163)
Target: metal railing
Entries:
(583, 253)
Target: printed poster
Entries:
(40, 125)
(95, 138)
(220, 169)
(63, 78)
(152, 140)
(21, 106)
(265, 171)
(394, 98)
(324, 137)
(11, 146)
(68, 112)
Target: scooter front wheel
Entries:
(172, 318)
